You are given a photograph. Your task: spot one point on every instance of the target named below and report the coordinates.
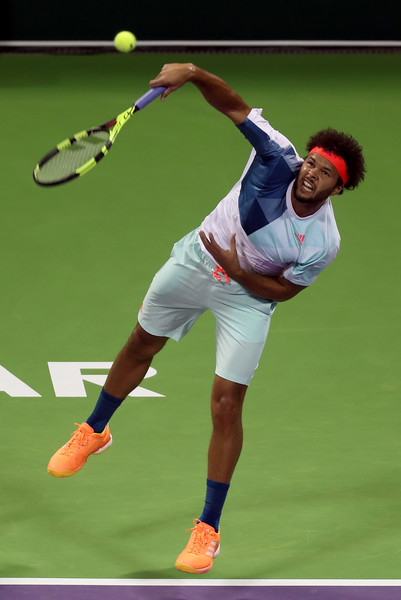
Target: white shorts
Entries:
(188, 285)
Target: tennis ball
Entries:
(125, 41)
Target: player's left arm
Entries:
(278, 289)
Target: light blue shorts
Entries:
(185, 287)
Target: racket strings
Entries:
(66, 162)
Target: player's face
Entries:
(317, 180)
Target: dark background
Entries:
(207, 20)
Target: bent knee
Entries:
(144, 344)
(226, 411)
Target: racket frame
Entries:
(112, 127)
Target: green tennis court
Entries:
(316, 492)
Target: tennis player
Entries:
(264, 243)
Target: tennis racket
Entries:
(76, 155)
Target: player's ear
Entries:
(338, 190)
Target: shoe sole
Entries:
(192, 570)
(61, 474)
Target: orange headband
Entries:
(335, 160)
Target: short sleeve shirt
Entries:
(271, 238)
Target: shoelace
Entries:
(79, 438)
(200, 537)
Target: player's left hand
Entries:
(227, 259)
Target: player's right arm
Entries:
(276, 288)
(215, 91)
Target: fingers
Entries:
(167, 93)
(156, 82)
(213, 247)
(211, 242)
(160, 81)
(172, 76)
(204, 239)
(208, 242)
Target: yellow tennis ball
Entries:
(125, 41)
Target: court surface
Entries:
(199, 589)
(316, 492)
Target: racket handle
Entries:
(147, 98)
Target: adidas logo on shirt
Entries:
(300, 237)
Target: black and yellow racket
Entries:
(76, 155)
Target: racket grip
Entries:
(147, 98)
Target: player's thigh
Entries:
(174, 300)
(242, 326)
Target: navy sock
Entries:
(103, 411)
(216, 493)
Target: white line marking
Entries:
(205, 582)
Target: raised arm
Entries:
(216, 91)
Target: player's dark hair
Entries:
(345, 146)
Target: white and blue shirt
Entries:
(271, 238)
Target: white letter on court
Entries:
(68, 380)
(14, 387)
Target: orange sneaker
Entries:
(71, 457)
(202, 548)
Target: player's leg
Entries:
(241, 331)
(242, 325)
(93, 436)
(171, 306)
(227, 435)
(133, 362)
(126, 373)
(224, 451)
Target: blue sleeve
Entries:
(260, 140)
